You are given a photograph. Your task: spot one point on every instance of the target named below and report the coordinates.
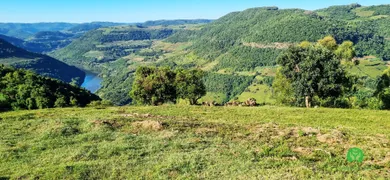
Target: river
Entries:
(92, 82)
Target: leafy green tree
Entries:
(345, 51)
(60, 102)
(305, 44)
(31, 103)
(189, 85)
(313, 71)
(283, 90)
(4, 102)
(73, 101)
(383, 89)
(154, 86)
(328, 42)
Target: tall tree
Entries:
(383, 89)
(189, 85)
(312, 71)
(154, 86)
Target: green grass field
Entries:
(184, 142)
(371, 68)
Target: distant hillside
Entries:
(97, 47)
(25, 30)
(41, 64)
(42, 42)
(85, 27)
(176, 22)
(239, 48)
(46, 37)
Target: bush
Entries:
(100, 104)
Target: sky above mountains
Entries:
(142, 10)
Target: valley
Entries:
(219, 98)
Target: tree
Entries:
(189, 85)
(153, 86)
(383, 89)
(313, 71)
(60, 102)
(345, 51)
(328, 42)
(283, 90)
(305, 44)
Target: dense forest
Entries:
(176, 22)
(21, 89)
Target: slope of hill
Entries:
(85, 27)
(41, 64)
(98, 47)
(25, 30)
(47, 41)
(183, 142)
(46, 37)
(176, 22)
(233, 49)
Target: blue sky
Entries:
(142, 10)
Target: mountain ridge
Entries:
(39, 63)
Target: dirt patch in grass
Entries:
(109, 123)
(137, 115)
(302, 150)
(148, 125)
(167, 134)
(273, 130)
(334, 137)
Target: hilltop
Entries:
(39, 63)
(183, 142)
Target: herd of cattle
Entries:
(251, 102)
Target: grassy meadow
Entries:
(193, 142)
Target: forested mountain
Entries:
(176, 22)
(41, 64)
(46, 37)
(97, 47)
(85, 27)
(25, 30)
(238, 51)
(42, 42)
(21, 89)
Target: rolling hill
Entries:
(240, 47)
(25, 30)
(41, 64)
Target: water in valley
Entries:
(92, 82)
